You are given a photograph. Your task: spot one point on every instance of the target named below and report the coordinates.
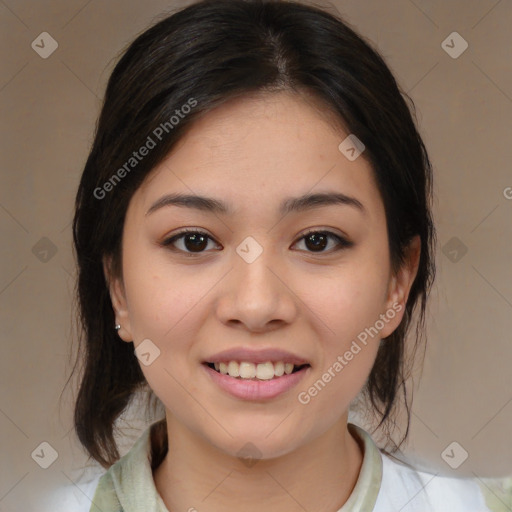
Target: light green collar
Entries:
(364, 495)
(128, 485)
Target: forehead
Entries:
(256, 151)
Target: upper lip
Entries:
(256, 356)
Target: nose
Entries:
(257, 296)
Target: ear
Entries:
(118, 299)
(400, 286)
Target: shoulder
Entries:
(409, 490)
(76, 497)
(498, 493)
(96, 490)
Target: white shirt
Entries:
(383, 485)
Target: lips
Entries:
(252, 374)
(255, 389)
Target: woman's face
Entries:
(255, 282)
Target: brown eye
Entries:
(192, 241)
(317, 241)
(196, 242)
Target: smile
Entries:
(262, 371)
(251, 381)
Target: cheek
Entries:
(160, 297)
(347, 306)
(349, 309)
(348, 301)
(164, 305)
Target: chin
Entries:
(255, 444)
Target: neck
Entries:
(197, 475)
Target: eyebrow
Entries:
(293, 204)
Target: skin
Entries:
(311, 303)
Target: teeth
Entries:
(245, 370)
(279, 369)
(265, 371)
(262, 371)
(233, 369)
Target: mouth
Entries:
(260, 381)
(256, 372)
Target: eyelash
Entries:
(342, 242)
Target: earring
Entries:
(117, 327)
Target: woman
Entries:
(253, 232)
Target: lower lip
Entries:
(256, 389)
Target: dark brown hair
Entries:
(213, 51)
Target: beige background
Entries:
(49, 108)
